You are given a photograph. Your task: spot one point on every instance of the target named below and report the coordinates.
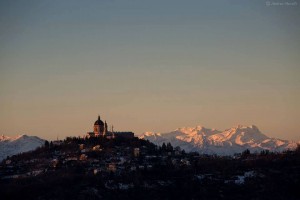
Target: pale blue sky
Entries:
(148, 66)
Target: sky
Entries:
(149, 66)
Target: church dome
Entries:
(99, 122)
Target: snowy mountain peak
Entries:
(23, 136)
(13, 145)
(253, 127)
(198, 128)
(151, 134)
(3, 137)
(212, 141)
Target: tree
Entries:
(51, 145)
(245, 153)
(297, 150)
(169, 147)
(264, 152)
(183, 152)
(46, 144)
(163, 147)
(177, 148)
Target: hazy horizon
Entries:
(148, 66)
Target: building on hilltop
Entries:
(99, 127)
(100, 130)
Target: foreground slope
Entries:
(14, 145)
(228, 142)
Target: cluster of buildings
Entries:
(101, 130)
(93, 159)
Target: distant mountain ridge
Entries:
(14, 145)
(227, 142)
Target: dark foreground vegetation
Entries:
(98, 168)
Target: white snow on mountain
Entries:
(14, 145)
(228, 142)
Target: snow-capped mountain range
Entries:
(212, 141)
(14, 145)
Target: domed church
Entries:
(100, 130)
(99, 127)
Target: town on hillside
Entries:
(116, 165)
